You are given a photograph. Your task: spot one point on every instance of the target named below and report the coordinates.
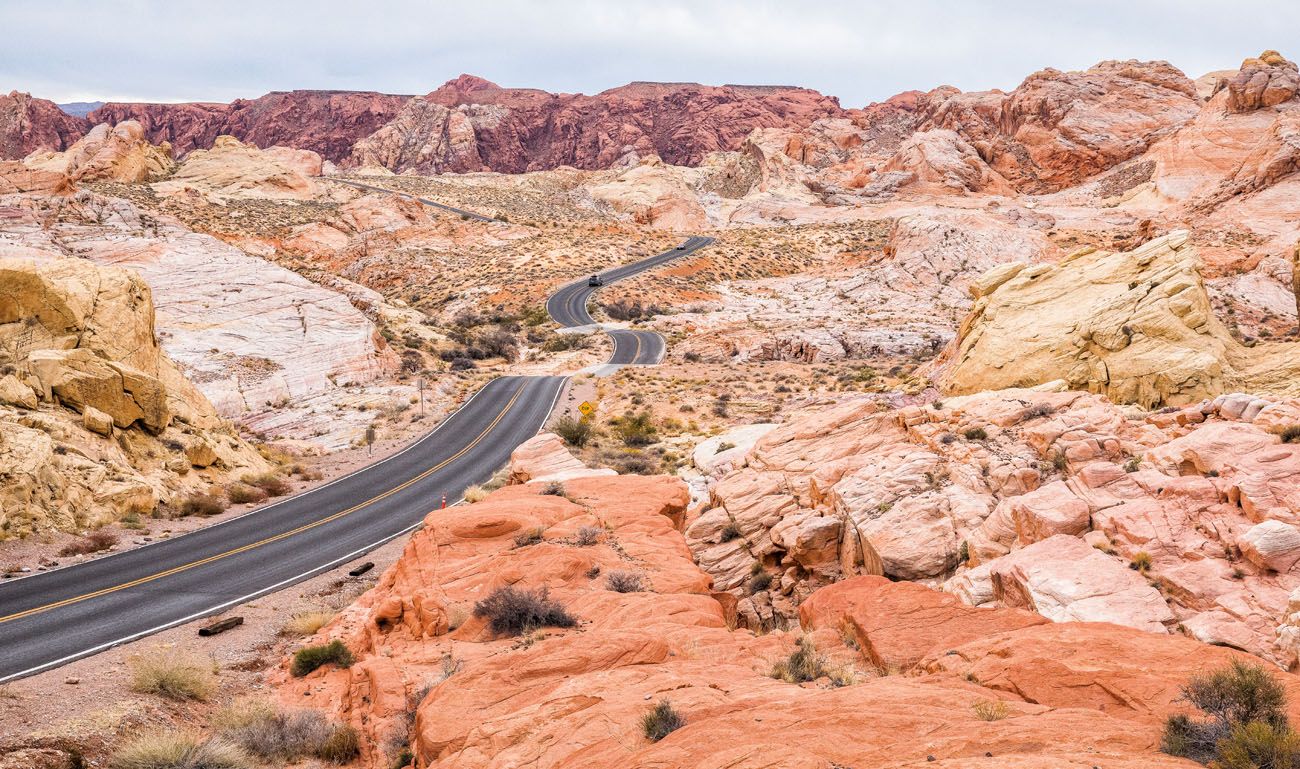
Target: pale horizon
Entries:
(186, 52)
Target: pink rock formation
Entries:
(28, 124)
(1068, 507)
(470, 124)
(1077, 695)
(326, 122)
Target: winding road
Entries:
(54, 617)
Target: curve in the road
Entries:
(50, 618)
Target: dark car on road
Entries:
(595, 280)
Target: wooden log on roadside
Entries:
(362, 569)
(221, 626)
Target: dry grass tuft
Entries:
(175, 675)
(175, 750)
(306, 622)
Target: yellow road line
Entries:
(277, 537)
(637, 351)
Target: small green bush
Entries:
(975, 434)
(309, 658)
(760, 582)
(661, 721)
(1245, 709)
(575, 432)
(636, 429)
(729, 532)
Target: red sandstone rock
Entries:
(326, 122)
(470, 124)
(28, 124)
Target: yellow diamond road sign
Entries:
(586, 408)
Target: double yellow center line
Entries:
(277, 537)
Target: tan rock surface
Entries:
(241, 171)
(545, 458)
(119, 153)
(1135, 326)
(74, 335)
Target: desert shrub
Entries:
(563, 342)
(990, 710)
(1245, 709)
(475, 493)
(1059, 461)
(594, 571)
(1291, 434)
(624, 582)
(529, 536)
(174, 675)
(636, 429)
(271, 483)
(1038, 412)
(975, 434)
(309, 658)
(278, 736)
(462, 364)
(342, 746)
(729, 532)
(575, 432)
(554, 489)
(241, 493)
(1132, 465)
(587, 536)
(803, 664)
(498, 343)
(203, 504)
(661, 721)
(1141, 562)
(179, 751)
(511, 611)
(760, 582)
(94, 542)
(306, 622)
(1258, 745)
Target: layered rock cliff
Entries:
(28, 125)
(325, 122)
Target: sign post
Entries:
(420, 385)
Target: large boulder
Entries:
(120, 153)
(1263, 81)
(1136, 326)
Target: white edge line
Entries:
(288, 581)
(217, 608)
(564, 382)
(264, 508)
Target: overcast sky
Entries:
(180, 50)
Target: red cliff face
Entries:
(28, 124)
(471, 124)
(326, 122)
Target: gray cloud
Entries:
(859, 51)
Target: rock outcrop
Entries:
(29, 125)
(470, 124)
(115, 154)
(96, 422)
(1265, 81)
(1056, 502)
(325, 122)
(231, 169)
(432, 678)
(264, 344)
(545, 459)
(1136, 326)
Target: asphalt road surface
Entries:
(54, 617)
(568, 306)
(426, 201)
